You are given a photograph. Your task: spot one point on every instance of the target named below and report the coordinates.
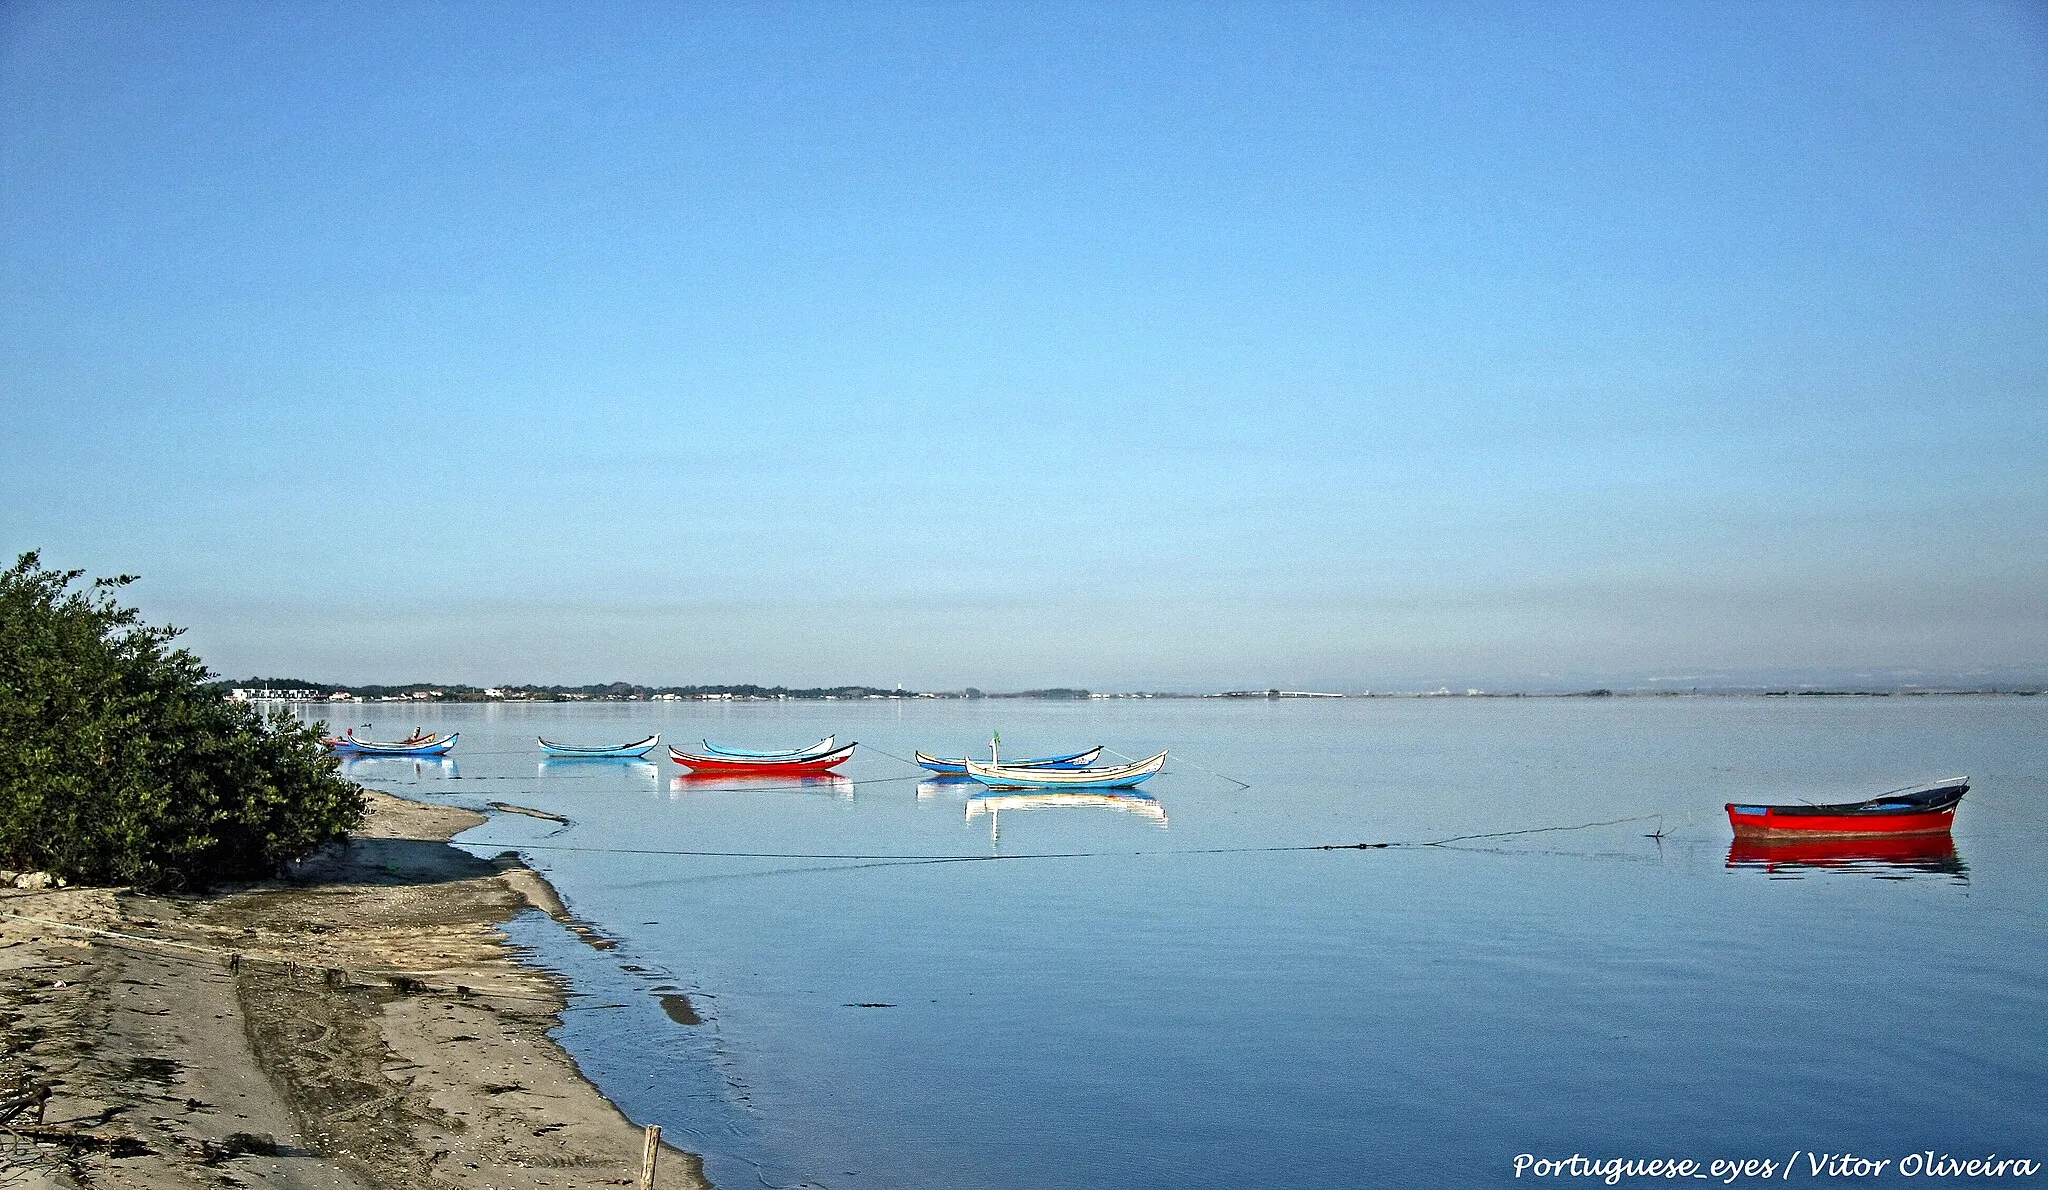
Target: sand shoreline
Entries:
(375, 1032)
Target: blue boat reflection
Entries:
(1899, 857)
(397, 768)
(932, 787)
(583, 768)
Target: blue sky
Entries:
(1125, 345)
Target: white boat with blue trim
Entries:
(1003, 776)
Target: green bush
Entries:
(117, 767)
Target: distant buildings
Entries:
(287, 694)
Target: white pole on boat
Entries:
(995, 742)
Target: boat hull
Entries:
(766, 765)
(1754, 822)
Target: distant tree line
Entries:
(619, 691)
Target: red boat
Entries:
(771, 765)
(1928, 809)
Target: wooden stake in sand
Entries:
(647, 1157)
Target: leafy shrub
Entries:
(117, 767)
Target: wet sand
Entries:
(359, 1026)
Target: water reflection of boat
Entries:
(830, 784)
(941, 786)
(573, 767)
(637, 750)
(1141, 804)
(1928, 809)
(369, 768)
(1897, 856)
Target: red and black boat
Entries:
(1928, 809)
(818, 759)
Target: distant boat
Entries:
(1928, 809)
(726, 762)
(1003, 776)
(636, 750)
(818, 749)
(416, 744)
(958, 768)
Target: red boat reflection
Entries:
(1895, 855)
(831, 784)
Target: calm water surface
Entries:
(1175, 1007)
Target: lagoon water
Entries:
(1185, 999)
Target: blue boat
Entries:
(958, 768)
(636, 750)
(416, 745)
(818, 749)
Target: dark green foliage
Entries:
(118, 766)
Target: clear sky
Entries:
(1130, 345)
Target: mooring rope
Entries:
(923, 772)
(1180, 759)
(694, 853)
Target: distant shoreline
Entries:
(269, 690)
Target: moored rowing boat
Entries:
(635, 750)
(414, 745)
(1928, 809)
(730, 763)
(1002, 776)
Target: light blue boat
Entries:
(636, 750)
(818, 749)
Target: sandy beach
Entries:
(361, 1024)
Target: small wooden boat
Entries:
(818, 749)
(775, 765)
(636, 750)
(958, 768)
(413, 745)
(1928, 809)
(1003, 776)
